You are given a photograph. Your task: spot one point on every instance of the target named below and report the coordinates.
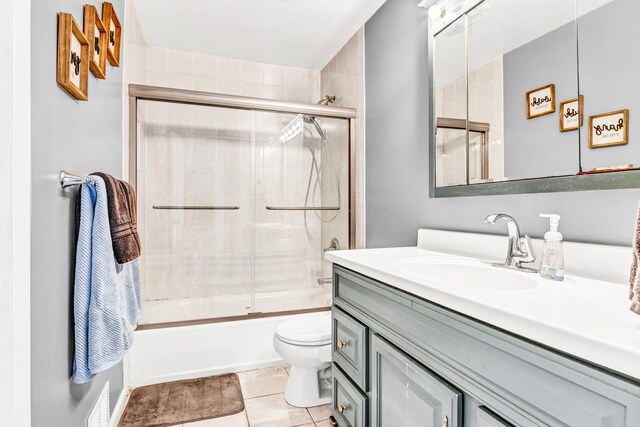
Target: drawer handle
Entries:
(342, 408)
(341, 344)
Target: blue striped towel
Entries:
(106, 295)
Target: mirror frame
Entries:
(564, 183)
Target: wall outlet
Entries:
(99, 416)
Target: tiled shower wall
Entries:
(195, 71)
(343, 77)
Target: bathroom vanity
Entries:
(434, 335)
(422, 337)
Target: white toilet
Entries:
(305, 343)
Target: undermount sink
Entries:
(472, 274)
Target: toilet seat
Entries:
(311, 330)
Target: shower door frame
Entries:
(210, 99)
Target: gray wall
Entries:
(397, 198)
(81, 137)
(536, 147)
(609, 64)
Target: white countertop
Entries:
(584, 317)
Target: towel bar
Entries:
(198, 208)
(68, 179)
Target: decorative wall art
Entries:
(96, 35)
(114, 32)
(541, 101)
(73, 57)
(571, 114)
(609, 129)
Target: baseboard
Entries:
(119, 408)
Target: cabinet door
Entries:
(404, 393)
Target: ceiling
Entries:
(301, 33)
(497, 27)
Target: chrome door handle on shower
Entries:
(301, 208)
(198, 208)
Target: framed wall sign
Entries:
(609, 129)
(96, 34)
(73, 57)
(541, 101)
(571, 114)
(114, 33)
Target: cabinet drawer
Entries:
(486, 418)
(349, 404)
(349, 349)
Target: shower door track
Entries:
(257, 315)
(183, 96)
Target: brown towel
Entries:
(121, 198)
(634, 279)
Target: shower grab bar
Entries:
(300, 208)
(197, 208)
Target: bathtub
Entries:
(175, 353)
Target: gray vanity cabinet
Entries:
(405, 394)
(400, 360)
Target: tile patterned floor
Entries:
(263, 392)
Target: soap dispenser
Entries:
(552, 264)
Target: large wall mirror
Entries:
(533, 96)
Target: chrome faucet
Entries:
(520, 249)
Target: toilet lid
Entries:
(311, 329)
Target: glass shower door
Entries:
(235, 208)
(300, 205)
(195, 190)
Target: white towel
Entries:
(106, 296)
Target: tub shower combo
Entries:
(238, 198)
